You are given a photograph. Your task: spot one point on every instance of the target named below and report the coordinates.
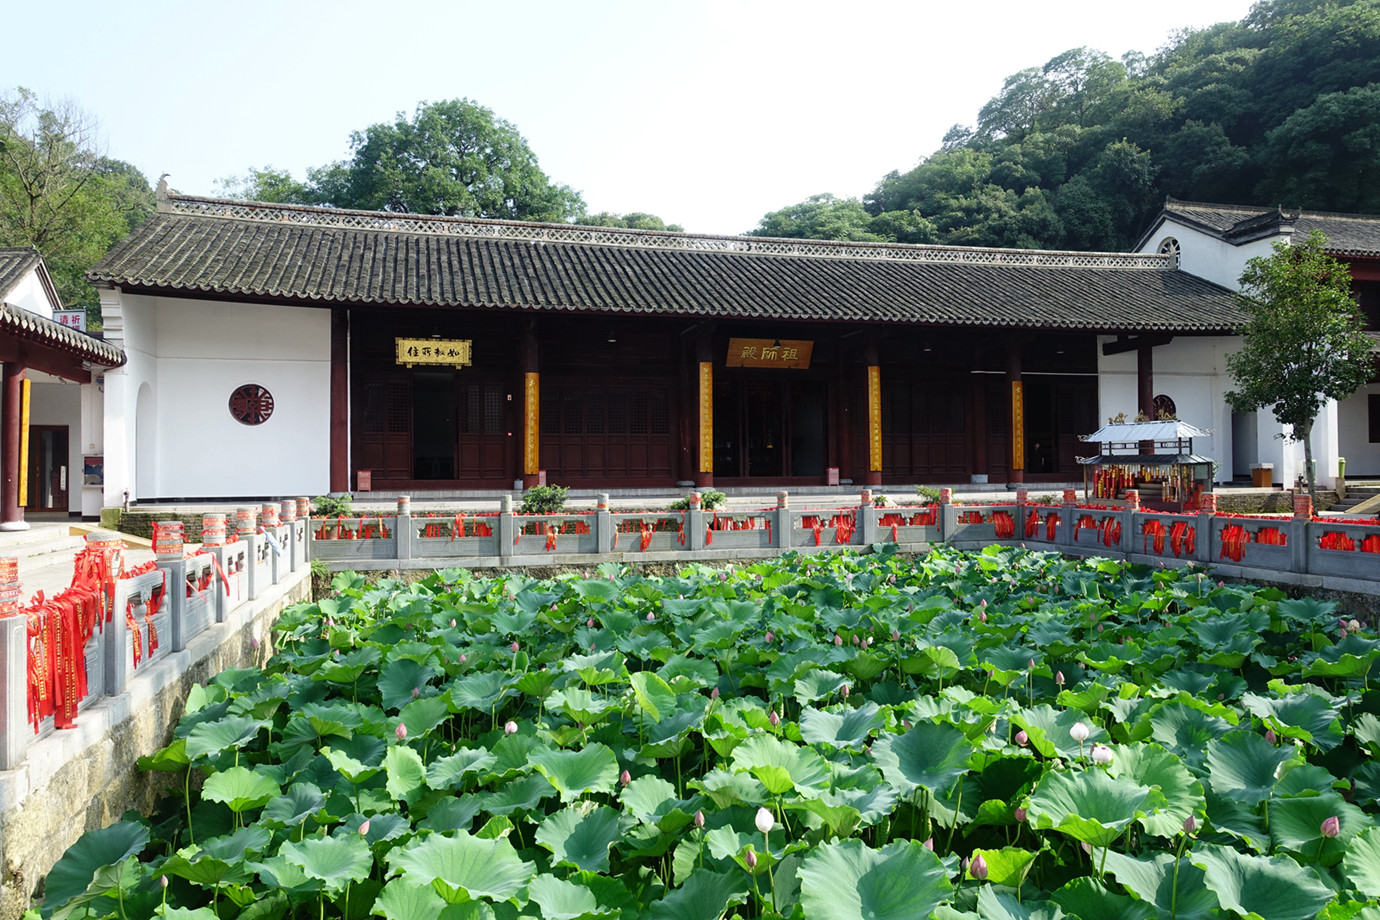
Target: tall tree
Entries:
(60, 195)
(1303, 342)
(454, 158)
(633, 220)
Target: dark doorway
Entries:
(776, 429)
(433, 424)
(48, 469)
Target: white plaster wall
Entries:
(1206, 256)
(1353, 424)
(53, 401)
(30, 295)
(129, 324)
(204, 350)
(1189, 370)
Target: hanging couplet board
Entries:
(874, 419)
(24, 442)
(706, 417)
(781, 353)
(531, 420)
(447, 352)
(1017, 426)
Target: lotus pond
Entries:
(998, 735)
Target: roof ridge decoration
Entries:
(1262, 210)
(540, 234)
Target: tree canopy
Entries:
(1303, 342)
(1078, 153)
(453, 158)
(61, 196)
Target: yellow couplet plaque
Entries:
(531, 424)
(1017, 426)
(706, 417)
(874, 418)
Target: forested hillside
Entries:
(1280, 108)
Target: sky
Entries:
(708, 114)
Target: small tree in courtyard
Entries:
(1304, 340)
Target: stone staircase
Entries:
(45, 552)
(1361, 498)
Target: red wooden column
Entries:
(531, 409)
(11, 420)
(1145, 386)
(1016, 474)
(340, 400)
(872, 359)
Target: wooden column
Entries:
(1145, 387)
(340, 400)
(977, 415)
(12, 423)
(531, 409)
(874, 415)
(1016, 390)
(704, 411)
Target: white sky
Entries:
(707, 114)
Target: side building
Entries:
(278, 349)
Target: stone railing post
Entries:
(1299, 535)
(783, 520)
(948, 516)
(867, 518)
(402, 528)
(694, 523)
(167, 555)
(16, 731)
(1068, 518)
(603, 525)
(1130, 522)
(1207, 520)
(507, 527)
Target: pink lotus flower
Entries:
(773, 718)
(513, 648)
(857, 640)
(510, 727)
(463, 659)
(699, 819)
(400, 731)
(624, 778)
(978, 867)
(751, 859)
(838, 640)
(452, 624)
(1101, 754)
(590, 622)
(929, 844)
(364, 828)
(1020, 815)
(1331, 826)
(1022, 738)
(770, 636)
(764, 821)
(895, 635)
(416, 693)
(651, 617)
(844, 691)
(1270, 736)
(714, 693)
(1190, 825)
(1059, 678)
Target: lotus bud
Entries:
(452, 623)
(1331, 826)
(982, 616)
(978, 867)
(416, 693)
(364, 828)
(624, 778)
(1343, 634)
(1020, 815)
(329, 622)
(1022, 738)
(838, 640)
(1354, 625)
(1190, 825)
(929, 844)
(1101, 754)
(844, 691)
(857, 640)
(699, 819)
(590, 622)
(400, 731)
(714, 693)
(651, 616)
(1087, 848)
(513, 648)
(1079, 732)
(895, 635)
(163, 880)
(751, 859)
(983, 603)
(1059, 678)
(774, 719)
(1270, 736)
(771, 637)
(510, 727)
(906, 724)
(1030, 663)
(764, 821)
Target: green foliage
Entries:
(544, 500)
(59, 195)
(928, 494)
(709, 500)
(1303, 342)
(332, 505)
(453, 158)
(634, 220)
(621, 764)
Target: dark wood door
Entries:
(924, 429)
(49, 474)
(607, 432)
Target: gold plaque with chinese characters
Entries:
(769, 353)
(449, 352)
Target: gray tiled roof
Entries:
(327, 256)
(15, 263)
(1347, 234)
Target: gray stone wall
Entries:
(84, 778)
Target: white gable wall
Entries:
(30, 295)
(192, 354)
(1207, 256)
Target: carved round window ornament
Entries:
(1169, 247)
(251, 404)
(1165, 408)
